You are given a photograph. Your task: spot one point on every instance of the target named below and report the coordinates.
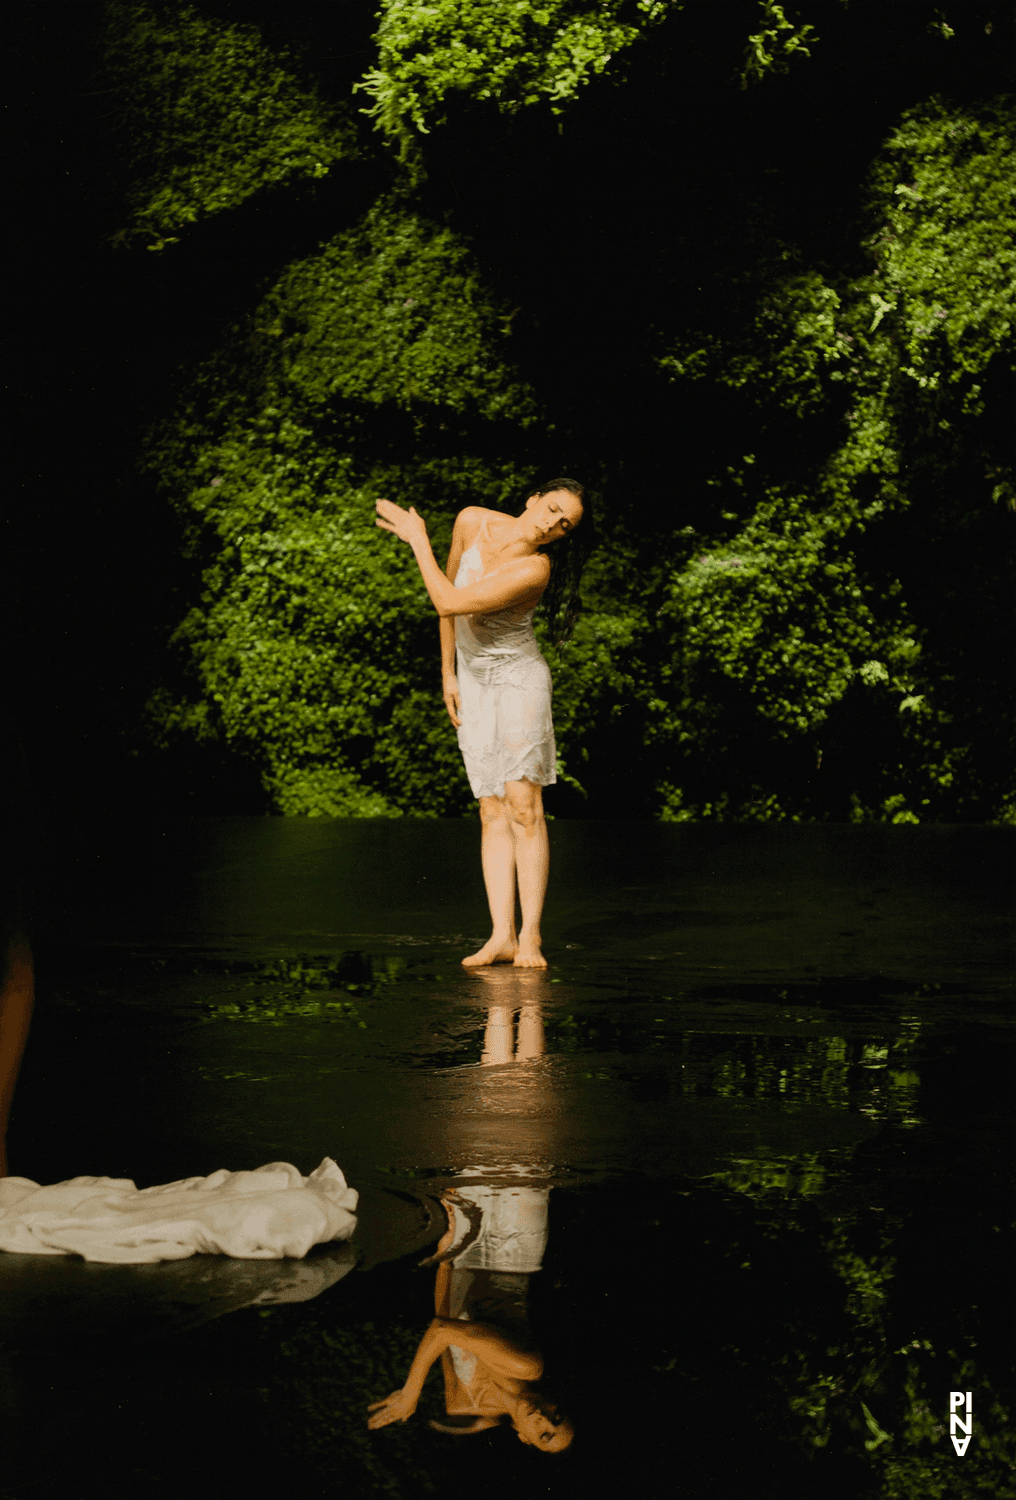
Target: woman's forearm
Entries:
(521, 578)
(442, 593)
(494, 1346)
(446, 625)
(434, 1342)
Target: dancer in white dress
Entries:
(497, 691)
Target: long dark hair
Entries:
(562, 599)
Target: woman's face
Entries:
(554, 515)
(542, 1427)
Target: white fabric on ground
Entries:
(265, 1214)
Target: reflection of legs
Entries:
(532, 863)
(498, 1036)
(498, 857)
(531, 1034)
(523, 990)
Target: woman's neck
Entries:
(510, 539)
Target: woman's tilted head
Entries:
(571, 485)
(541, 1425)
(559, 506)
(555, 510)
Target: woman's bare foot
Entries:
(496, 950)
(529, 954)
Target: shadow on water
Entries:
(725, 1194)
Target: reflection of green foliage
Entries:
(920, 1463)
(804, 1173)
(867, 1277)
(307, 644)
(281, 1007)
(887, 1407)
(829, 1071)
(210, 115)
(325, 1378)
(289, 988)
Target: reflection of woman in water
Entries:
(497, 691)
(495, 1241)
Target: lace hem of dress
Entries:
(539, 775)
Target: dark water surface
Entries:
(767, 1083)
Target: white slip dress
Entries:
(506, 731)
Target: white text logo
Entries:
(960, 1419)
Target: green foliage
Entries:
(313, 638)
(792, 612)
(513, 51)
(395, 312)
(595, 673)
(209, 116)
(945, 195)
(779, 610)
(770, 49)
(720, 668)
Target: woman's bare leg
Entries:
(532, 865)
(497, 852)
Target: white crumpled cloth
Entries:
(266, 1214)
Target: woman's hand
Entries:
(406, 524)
(398, 1407)
(452, 701)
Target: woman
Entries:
(495, 1242)
(497, 691)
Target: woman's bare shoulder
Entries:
(470, 519)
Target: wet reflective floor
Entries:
(747, 1142)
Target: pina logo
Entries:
(960, 1419)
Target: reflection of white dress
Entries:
(506, 733)
(509, 1244)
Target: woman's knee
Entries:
(525, 804)
(493, 811)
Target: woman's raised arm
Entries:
(512, 581)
